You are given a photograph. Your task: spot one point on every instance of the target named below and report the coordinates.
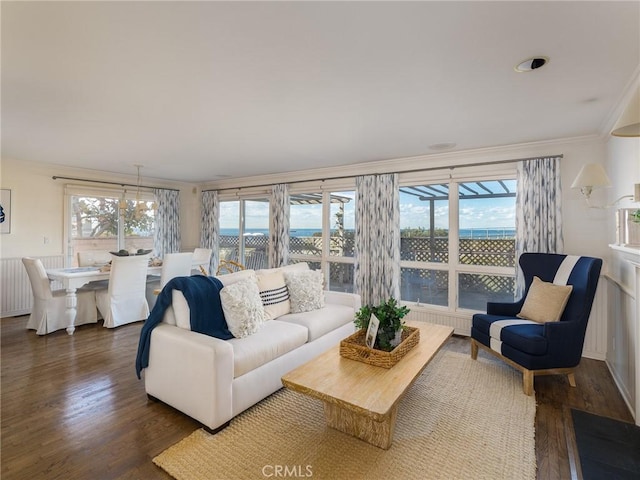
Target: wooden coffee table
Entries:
(360, 399)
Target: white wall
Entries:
(623, 326)
(37, 206)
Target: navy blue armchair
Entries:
(534, 347)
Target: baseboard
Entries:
(626, 395)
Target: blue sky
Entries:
(414, 213)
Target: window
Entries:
(342, 218)
(321, 232)
(424, 243)
(305, 225)
(458, 242)
(486, 238)
(244, 232)
(109, 221)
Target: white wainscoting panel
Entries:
(595, 340)
(461, 323)
(15, 290)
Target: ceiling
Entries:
(198, 91)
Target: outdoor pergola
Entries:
(466, 190)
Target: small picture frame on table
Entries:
(372, 331)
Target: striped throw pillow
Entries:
(274, 295)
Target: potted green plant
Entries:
(390, 315)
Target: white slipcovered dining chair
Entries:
(201, 261)
(48, 311)
(124, 300)
(173, 265)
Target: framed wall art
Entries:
(5, 210)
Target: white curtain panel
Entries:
(377, 238)
(210, 227)
(279, 226)
(167, 237)
(538, 209)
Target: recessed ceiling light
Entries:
(531, 64)
(442, 146)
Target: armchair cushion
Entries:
(545, 301)
(524, 335)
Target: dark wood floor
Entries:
(72, 407)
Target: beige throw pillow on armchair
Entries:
(545, 301)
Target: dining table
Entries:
(73, 278)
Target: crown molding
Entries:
(460, 158)
(622, 104)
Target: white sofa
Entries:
(213, 380)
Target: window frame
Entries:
(73, 190)
(242, 199)
(453, 177)
(325, 259)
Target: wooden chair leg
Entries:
(474, 349)
(527, 382)
(572, 379)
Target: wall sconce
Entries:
(593, 176)
(632, 130)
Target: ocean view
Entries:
(481, 233)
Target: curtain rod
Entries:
(339, 177)
(55, 177)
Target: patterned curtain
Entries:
(167, 237)
(377, 238)
(538, 209)
(279, 226)
(210, 227)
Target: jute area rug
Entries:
(462, 419)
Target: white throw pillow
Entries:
(242, 307)
(274, 295)
(305, 290)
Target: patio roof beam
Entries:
(482, 186)
(503, 185)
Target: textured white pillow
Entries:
(305, 290)
(242, 307)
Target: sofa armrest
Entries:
(341, 298)
(191, 372)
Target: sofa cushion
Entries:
(242, 307)
(274, 339)
(287, 268)
(274, 294)
(322, 321)
(305, 290)
(181, 310)
(231, 278)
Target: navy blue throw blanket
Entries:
(206, 315)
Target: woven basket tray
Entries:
(354, 348)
